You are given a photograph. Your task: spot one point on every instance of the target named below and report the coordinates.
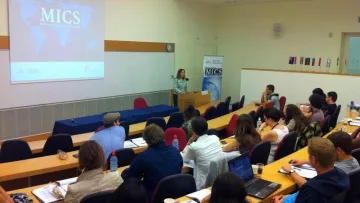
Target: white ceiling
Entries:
(232, 2)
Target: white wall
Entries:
(245, 34)
(188, 24)
(297, 87)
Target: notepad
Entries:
(353, 123)
(46, 195)
(305, 171)
(129, 144)
(139, 142)
(199, 195)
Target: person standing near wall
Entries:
(180, 85)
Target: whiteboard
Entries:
(125, 73)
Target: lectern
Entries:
(191, 98)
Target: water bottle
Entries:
(258, 123)
(113, 162)
(175, 142)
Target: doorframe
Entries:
(344, 49)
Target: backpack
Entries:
(309, 131)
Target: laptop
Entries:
(255, 187)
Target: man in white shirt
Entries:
(201, 148)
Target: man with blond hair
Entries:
(329, 182)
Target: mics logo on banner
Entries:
(60, 17)
(213, 71)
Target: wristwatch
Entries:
(291, 171)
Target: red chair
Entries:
(282, 102)
(140, 103)
(269, 105)
(231, 126)
(181, 136)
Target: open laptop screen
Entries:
(242, 167)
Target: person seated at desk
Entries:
(294, 118)
(92, 178)
(246, 135)
(189, 114)
(276, 134)
(330, 101)
(320, 92)
(4, 197)
(329, 182)
(156, 162)
(132, 191)
(112, 137)
(315, 114)
(269, 96)
(201, 148)
(228, 187)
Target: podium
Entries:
(191, 98)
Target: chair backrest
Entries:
(99, 129)
(125, 157)
(356, 154)
(260, 153)
(213, 132)
(57, 142)
(176, 120)
(174, 186)
(324, 124)
(227, 103)
(210, 113)
(158, 121)
(235, 106)
(14, 150)
(197, 112)
(253, 116)
(126, 126)
(221, 109)
(140, 103)
(181, 136)
(354, 191)
(282, 102)
(333, 119)
(242, 101)
(269, 105)
(231, 126)
(338, 198)
(286, 146)
(97, 197)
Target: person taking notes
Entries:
(180, 85)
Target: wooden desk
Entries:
(135, 129)
(48, 164)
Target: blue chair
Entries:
(57, 142)
(97, 197)
(260, 153)
(176, 120)
(157, 121)
(242, 101)
(353, 194)
(210, 113)
(126, 126)
(14, 150)
(286, 146)
(213, 132)
(227, 103)
(221, 109)
(197, 112)
(174, 186)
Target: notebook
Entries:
(199, 195)
(46, 195)
(139, 142)
(305, 171)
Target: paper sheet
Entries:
(199, 195)
(354, 123)
(46, 195)
(129, 144)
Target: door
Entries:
(353, 56)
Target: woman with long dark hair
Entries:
(227, 188)
(294, 118)
(245, 134)
(180, 85)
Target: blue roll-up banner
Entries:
(212, 67)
